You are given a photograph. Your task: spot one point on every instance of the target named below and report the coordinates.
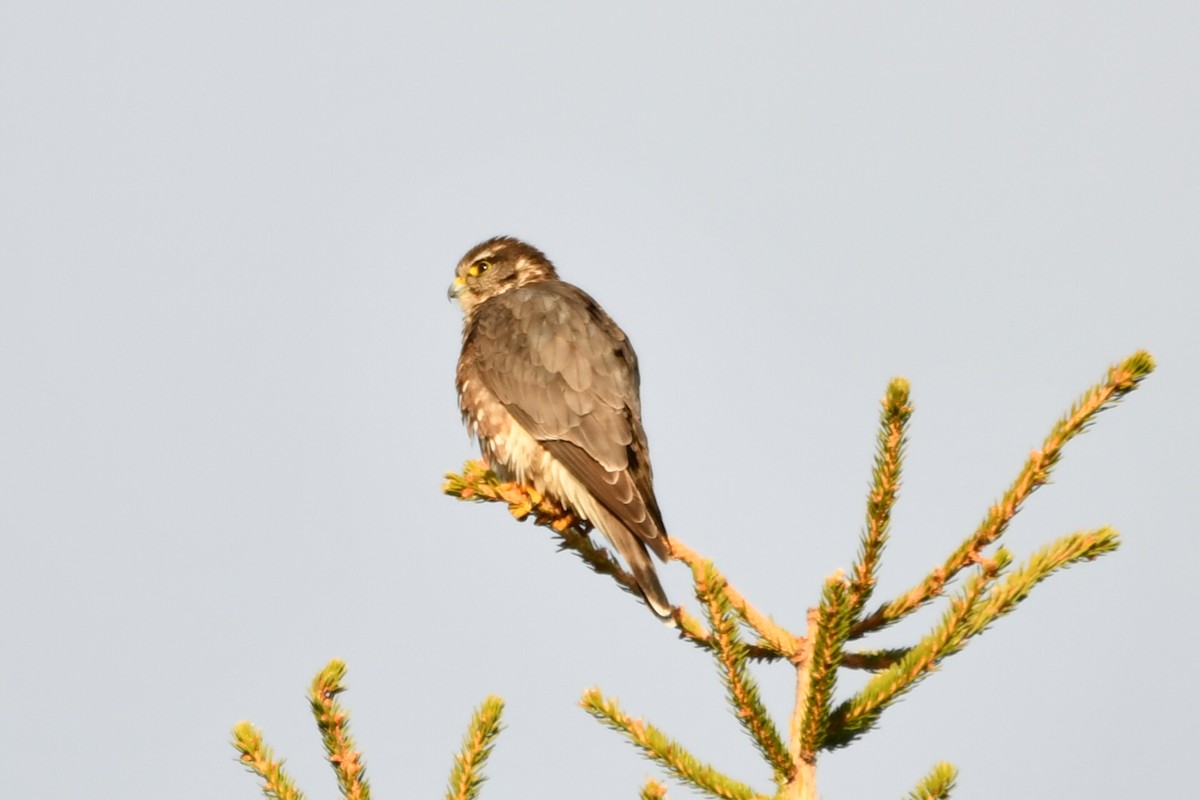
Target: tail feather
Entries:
(632, 550)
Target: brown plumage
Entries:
(548, 384)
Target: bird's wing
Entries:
(567, 373)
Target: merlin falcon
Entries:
(548, 384)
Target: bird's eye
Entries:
(479, 267)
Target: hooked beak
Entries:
(456, 288)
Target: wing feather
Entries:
(568, 375)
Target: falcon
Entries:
(548, 384)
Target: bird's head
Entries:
(495, 266)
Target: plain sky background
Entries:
(226, 373)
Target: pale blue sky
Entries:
(226, 231)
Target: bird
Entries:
(549, 385)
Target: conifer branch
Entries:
(258, 758)
(1120, 380)
(990, 591)
(478, 484)
(873, 660)
(833, 619)
(660, 748)
(803, 785)
(575, 538)
(692, 630)
(773, 638)
(859, 714)
(885, 483)
(741, 688)
(937, 785)
(981, 602)
(333, 722)
(1070, 549)
(653, 790)
(466, 776)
